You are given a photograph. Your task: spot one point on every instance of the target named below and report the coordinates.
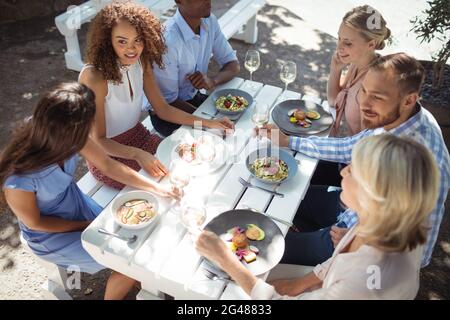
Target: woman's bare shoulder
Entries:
(94, 79)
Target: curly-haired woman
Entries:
(124, 40)
(37, 170)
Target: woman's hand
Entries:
(273, 133)
(151, 164)
(336, 62)
(287, 287)
(209, 245)
(168, 191)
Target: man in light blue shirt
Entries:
(192, 35)
(389, 104)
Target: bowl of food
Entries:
(271, 165)
(231, 101)
(135, 209)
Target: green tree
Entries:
(435, 25)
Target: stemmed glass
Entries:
(192, 216)
(205, 150)
(252, 62)
(179, 178)
(288, 73)
(260, 115)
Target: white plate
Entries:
(167, 151)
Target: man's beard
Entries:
(386, 120)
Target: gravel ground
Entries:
(32, 60)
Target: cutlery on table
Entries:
(210, 115)
(127, 239)
(249, 185)
(212, 276)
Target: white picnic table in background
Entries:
(239, 22)
(163, 258)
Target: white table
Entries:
(163, 258)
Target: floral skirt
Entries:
(138, 137)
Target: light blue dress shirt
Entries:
(187, 53)
(423, 128)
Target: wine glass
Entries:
(260, 116)
(252, 61)
(205, 149)
(193, 216)
(288, 74)
(179, 178)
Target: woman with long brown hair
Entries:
(124, 40)
(37, 170)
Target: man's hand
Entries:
(201, 81)
(273, 133)
(337, 234)
(223, 124)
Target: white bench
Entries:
(239, 22)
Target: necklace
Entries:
(124, 67)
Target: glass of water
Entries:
(260, 115)
(193, 216)
(179, 177)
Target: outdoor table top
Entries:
(163, 258)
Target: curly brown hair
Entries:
(100, 52)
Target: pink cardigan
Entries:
(346, 103)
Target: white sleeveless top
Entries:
(121, 111)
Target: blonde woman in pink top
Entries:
(392, 184)
(363, 30)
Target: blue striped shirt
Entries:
(423, 128)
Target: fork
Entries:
(210, 115)
(212, 276)
(127, 239)
(249, 185)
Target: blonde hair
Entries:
(399, 181)
(369, 23)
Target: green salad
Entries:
(270, 169)
(231, 103)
